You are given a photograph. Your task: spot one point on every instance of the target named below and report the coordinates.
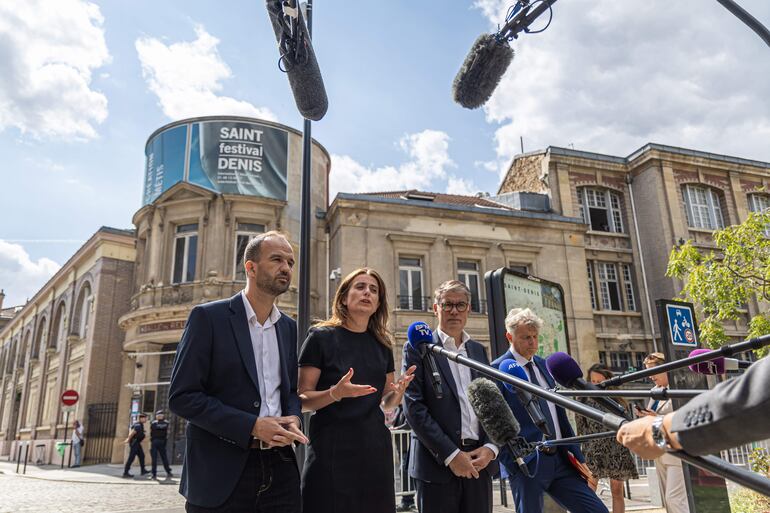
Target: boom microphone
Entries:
(718, 365)
(298, 59)
(419, 336)
(566, 371)
(497, 419)
(482, 70)
(510, 366)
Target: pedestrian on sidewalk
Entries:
(158, 437)
(134, 441)
(77, 441)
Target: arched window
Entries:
(703, 206)
(59, 333)
(25, 347)
(82, 319)
(601, 209)
(40, 337)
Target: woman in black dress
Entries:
(347, 378)
(605, 456)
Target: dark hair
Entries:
(378, 322)
(600, 368)
(254, 246)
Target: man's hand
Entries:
(637, 436)
(481, 457)
(462, 466)
(278, 431)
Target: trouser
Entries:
(135, 450)
(76, 448)
(158, 449)
(671, 484)
(269, 484)
(458, 495)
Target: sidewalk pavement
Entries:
(109, 473)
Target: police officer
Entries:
(158, 437)
(134, 441)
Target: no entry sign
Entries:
(69, 397)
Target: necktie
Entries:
(543, 404)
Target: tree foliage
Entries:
(722, 281)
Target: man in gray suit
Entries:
(731, 414)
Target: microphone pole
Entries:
(728, 350)
(524, 19)
(709, 463)
(609, 420)
(658, 393)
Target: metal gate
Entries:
(176, 428)
(100, 432)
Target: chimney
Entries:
(2, 296)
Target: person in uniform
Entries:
(134, 441)
(158, 437)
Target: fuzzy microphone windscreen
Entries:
(493, 412)
(482, 70)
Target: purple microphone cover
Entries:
(563, 368)
(715, 366)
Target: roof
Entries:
(437, 197)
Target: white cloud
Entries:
(609, 76)
(429, 160)
(187, 77)
(457, 185)
(48, 51)
(20, 277)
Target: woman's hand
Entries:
(344, 388)
(399, 387)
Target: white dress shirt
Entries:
(264, 341)
(543, 382)
(462, 376)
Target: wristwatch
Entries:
(658, 436)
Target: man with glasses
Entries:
(451, 459)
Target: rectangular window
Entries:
(760, 203)
(619, 360)
(468, 273)
(639, 360)
(519, 268)
(703, 207)
(185, 253)
(244, 232)
(591, 284)
(601, 209)
(628, 287)
(609, 287)
(410, 295)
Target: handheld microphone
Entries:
(298, 59)
(481, 71)
(718, 365)
(497, 420)
(566, 371)
(419, 336)
(510, 366)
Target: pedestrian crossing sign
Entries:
(681, 326)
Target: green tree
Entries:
(723, 280)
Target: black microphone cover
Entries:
(304, 76)
(493, 412)
(482, 70)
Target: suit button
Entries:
(457, 432)
(256, 404)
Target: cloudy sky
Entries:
(82, 86)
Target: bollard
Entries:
(18, 456)
(26, 457)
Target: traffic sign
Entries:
(69, 397)
(681, 326)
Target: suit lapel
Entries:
(544, 371)
(242, 337)
(474, 353)
(443, 367)
(281, 333)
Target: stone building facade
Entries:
(67, 337)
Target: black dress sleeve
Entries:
(391, 363)
(311, 353)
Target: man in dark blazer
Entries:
(731, 414)
(235, 381)
(451, 459)
(551, 471)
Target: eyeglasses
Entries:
(461, 307)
